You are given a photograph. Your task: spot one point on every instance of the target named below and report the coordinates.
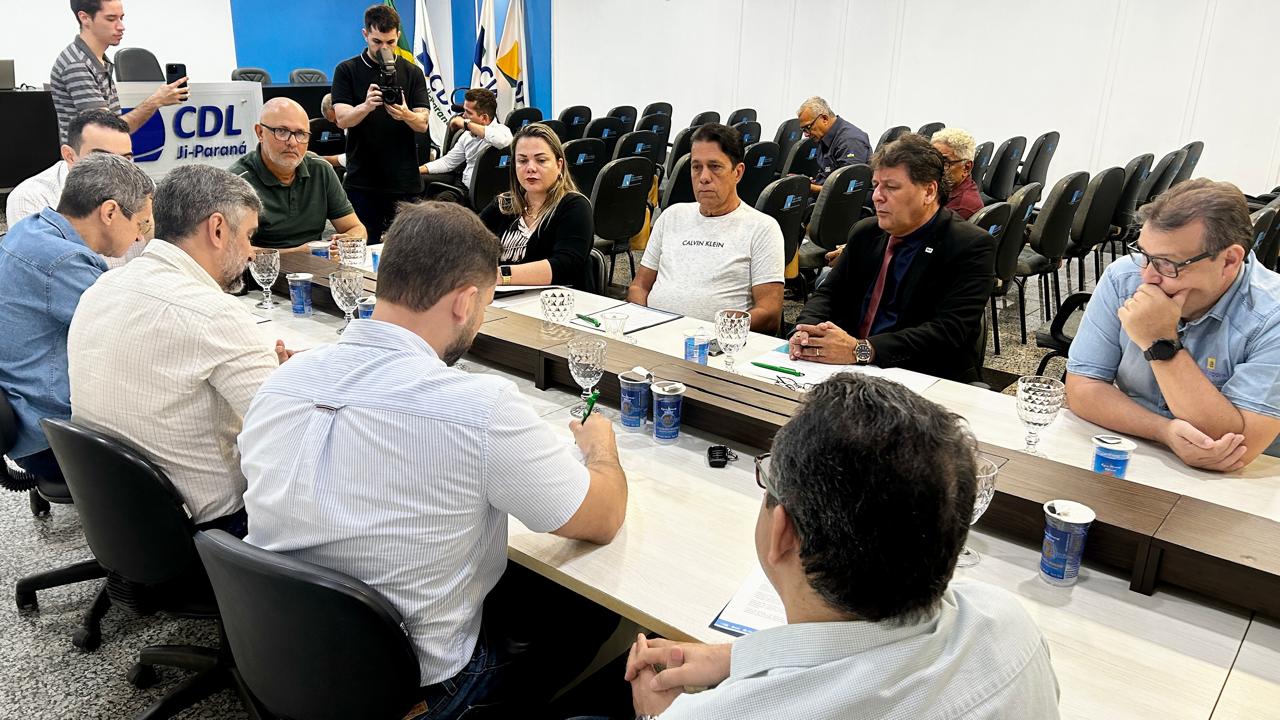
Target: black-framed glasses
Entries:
(763, 478)
(302, 137)
(949, 163)
(1164, 266)
(806, 128)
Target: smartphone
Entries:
(174, 72)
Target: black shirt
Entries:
(563, 238)
(381, 151)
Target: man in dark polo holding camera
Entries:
(372, 96)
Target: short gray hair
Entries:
(326, 103)
(1220, 205)
(960, 142)
(190, 194)
(817, 106)
(99, 177)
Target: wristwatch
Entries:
(466, 124)
(1162, 349)
(505, 270)
(862, 352)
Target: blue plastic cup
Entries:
(635, 399)
(668, 401)
(697, 343)
(300, 293)
(376, 255)
(366, 305)
(319, 248)
(1066, 527)
(1111, 454)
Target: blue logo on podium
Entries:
(148, 140)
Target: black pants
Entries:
(237, 523)
(376, 210)
(42, 464)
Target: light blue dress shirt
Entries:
(45, 266)
(1236, 343)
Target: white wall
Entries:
(194, 32)
(1115, 77)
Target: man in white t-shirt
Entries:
(718, 253)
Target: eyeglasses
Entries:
(763, 465)
(1164, 266)
(807, 128)
(949, 163)
(302, 137)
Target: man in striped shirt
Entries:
(81, 76)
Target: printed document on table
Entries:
(508, 295)
(756, 606)
(816, 372)
(639, 317)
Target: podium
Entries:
(213, 127)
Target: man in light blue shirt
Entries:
(1182, 345)
(47, 261)
(859, 537)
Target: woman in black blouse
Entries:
(543, 222)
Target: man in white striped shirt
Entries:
(376, 458)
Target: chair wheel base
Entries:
(142, 676)
(86, 639)
(26, 600)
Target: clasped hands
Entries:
(824, 343)
(659, 671)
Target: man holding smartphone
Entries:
(382, 158)
(81, 76)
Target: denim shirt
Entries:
(44, 268)
(1236, 343)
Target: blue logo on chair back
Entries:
(606, 133)
(994, 229)
(746, 138)
(1075, 196)
(793, 135)
(792, 201)
(1027, 214)
(631, 180)
(504, 160)
(148, 140)
(1259, 238)
(577, 120)
(1016, 154)
(854, 184)
(813, 152)
(583, 159)
(764, 161)
(641, 147)
(524, 122)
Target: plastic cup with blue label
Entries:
(366, 304)
(300, 293)
(634, 386)
(697, 343)
(376, 255)
(319, 248)
(668, 401)
(1111, 454)
(1066, 527)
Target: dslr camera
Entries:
(392, 93)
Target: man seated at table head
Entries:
(718, 253)
(162, 357)
(868, 494)
(375, 457)
(840, 142)
(47, 261)
(91, 131)
(480, 129)
(299, 191)
(1182, 344)
(958, 149)
(911, 286)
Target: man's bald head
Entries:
(283, 134)
(279, 109)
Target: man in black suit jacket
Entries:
(913, 282)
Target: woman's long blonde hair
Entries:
(513, 201)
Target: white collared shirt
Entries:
(467, 150)
(160, 357)
(981, 657)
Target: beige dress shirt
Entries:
(160, 357)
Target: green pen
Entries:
(588, 318)
(591, 402)
(775, 368)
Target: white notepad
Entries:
(756, 606)
(639, 317)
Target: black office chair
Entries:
(928, 129)
(982, 162)
(608, 129)
(1035, 166)
(892, 134)
(457, 98)
(761, 161)
(837, 208)
(558, 128)
(1092, 226)
(1194, 150)
(251, 74)
(803, 159)
(140, 531)
(273, 609)
(1022, 204)
(704, 117)
(1267, 252)
(618, 203)
(627, 114)
(741, 116)
(585, 157)
(1047, 241)
(681, 146)
(1057, 337)
(640, 143)
(659, 125)
(307, 75)
(492, 175)
(326, 137)
(1135, 177)
(679, 185)
(998, 184)
(994, 219)
(138, 65)
(785, 200)
(1264, 222)
(575, 120)
(1161, 176)
(599, 271)
(518, 118)
(787, 135)
(749, 131)
(657, 108)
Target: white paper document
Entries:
(756, 606)
(639, 317)
(508, 295)
(816, 372)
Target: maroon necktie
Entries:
(865, 329)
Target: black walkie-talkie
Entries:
(719, 455)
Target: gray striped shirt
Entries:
(373, 458)
(79, 81)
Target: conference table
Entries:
(687, 543)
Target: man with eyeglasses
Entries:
(860, 537)
(1182, 345)
(958, 149)
(299, 191)
(840, 142)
